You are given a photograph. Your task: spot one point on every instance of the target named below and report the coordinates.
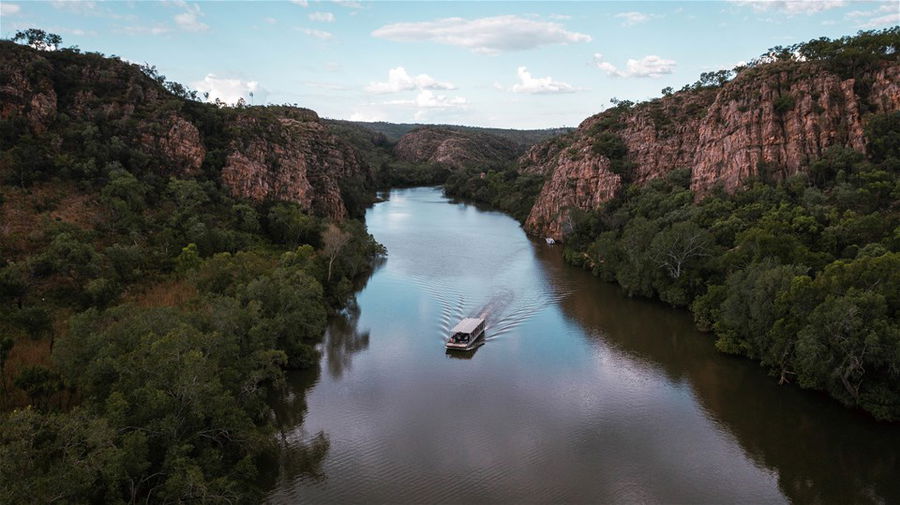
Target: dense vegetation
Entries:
(800, 274)
(477, 151)
(146, 315)
(505, 188)
(378, 153)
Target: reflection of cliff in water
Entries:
(821, 452)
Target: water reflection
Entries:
(821, 452)
(457, 354)
(299, 455)
(578, 394)
(344, 339)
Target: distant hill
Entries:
(393, 131)
(456, 149)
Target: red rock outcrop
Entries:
(454, 149)
(777, 118)
(271, 153)
(180, 145)
(295, 159)
(21, 95)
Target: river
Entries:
(579, 394)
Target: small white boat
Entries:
(466, 334)
(550, 240)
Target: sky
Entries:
(529, 64)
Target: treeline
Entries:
(378, 153)
(394, 131)
(504, 188)
(849, 56)
(166, 328)
(800, 274)
(146, 317)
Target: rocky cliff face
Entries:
(291, 158)
(771, 121)
(455, 149)
(281, 153)
(31, 97)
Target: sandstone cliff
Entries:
(260, 153)
(291, 157)
(455, 149)
(769, 121)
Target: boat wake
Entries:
(503, 311)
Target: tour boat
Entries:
(466, 334)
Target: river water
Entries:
(579, 394)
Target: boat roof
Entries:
(467, 325)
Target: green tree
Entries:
(60, 458)
(850, 340)
(748, 310)
(188, 259)
(288, 225)
(637, 271)
(38, 39)
(40, 383)
(13, 283)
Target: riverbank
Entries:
(575, 379)
(799, 274)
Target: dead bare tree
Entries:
(673, 248)
(333, 241)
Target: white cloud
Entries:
(539, 85)
(143, 30)
(332, 66)
(323, 17)
(560, 17)
(75, 31)
(791, 7)
(632, 18)
(483, 35)
(188, 21)
(8, 9)
(319, 34)
(271, 21)
(350, 4)
(427, 101)
(90, 8)
(366, 116)
(231, 90)
(400, 80)
(648, 66)
(888, 14)
(877, 22)
(301, 3)
(74, 5)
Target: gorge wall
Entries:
(260, 153)
(769, 121)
